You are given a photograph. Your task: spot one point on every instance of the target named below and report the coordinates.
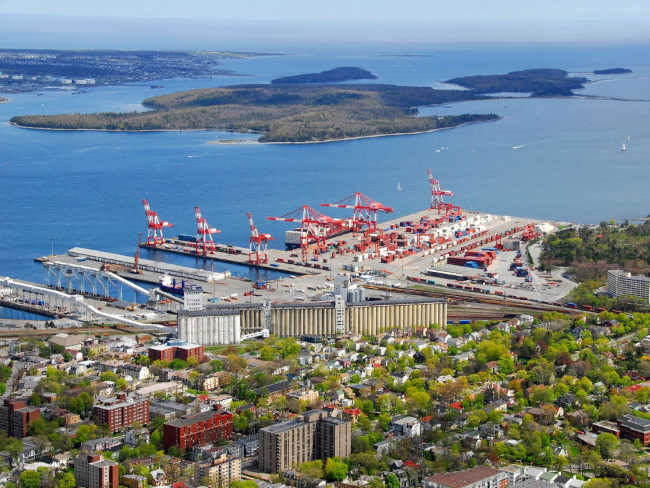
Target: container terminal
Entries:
(443, 252)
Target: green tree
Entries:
(607, 444)
(335, 470)
(30, 479)
(15, 449)
(419, 400)
(313, 469)
(384, 421)
(66, 480)
(391, 481)
(243, 484)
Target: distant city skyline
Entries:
(413, 21)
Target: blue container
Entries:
(463, 322)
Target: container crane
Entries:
(314, 228)
(257, 250)
(155, 226)
(204, 241)
(364, 211)
(438, 195)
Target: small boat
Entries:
(399, 186)
(623, 147)
(518, 147)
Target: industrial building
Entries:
(621, 283)
(228, 324)
(314, 435)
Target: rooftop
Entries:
(231, 309)
(283, 426)
(635, 423)
(460, 479)
(627, 274)
(199, 417)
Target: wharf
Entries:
(239, 255)
(36, 302)
(156, 267)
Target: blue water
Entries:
(85, 188)
(10, 313)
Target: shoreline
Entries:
(344, 139)
(250, 141)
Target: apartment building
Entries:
(201, 428)
(119, 415)
(15, 417)
(621, 283)
(313, 435)
(92, 471)
(219, 473)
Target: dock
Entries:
(231, 254)
(156, 267)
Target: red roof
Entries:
(634, 388)
(179, 484)
(352, 411)
(410, 464)
(456, 405)
(426, 419)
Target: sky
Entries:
(336, 20)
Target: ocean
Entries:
(556, 159)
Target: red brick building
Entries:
(121, 415)
(169, 352)
(202, 428)
(15, 417)
(633, 427)
(161, 353)
(187, 351)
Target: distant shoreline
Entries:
(344, 139)
(243, 142)
(109, 130)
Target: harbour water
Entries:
(546, 158)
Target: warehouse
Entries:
(228, 324)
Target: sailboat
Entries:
(399, 186)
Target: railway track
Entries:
(478, 297)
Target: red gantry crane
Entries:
(155, 226)
(257, 253)
(438, 195)
(314, 228)
(204, 241)
(364, 211)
